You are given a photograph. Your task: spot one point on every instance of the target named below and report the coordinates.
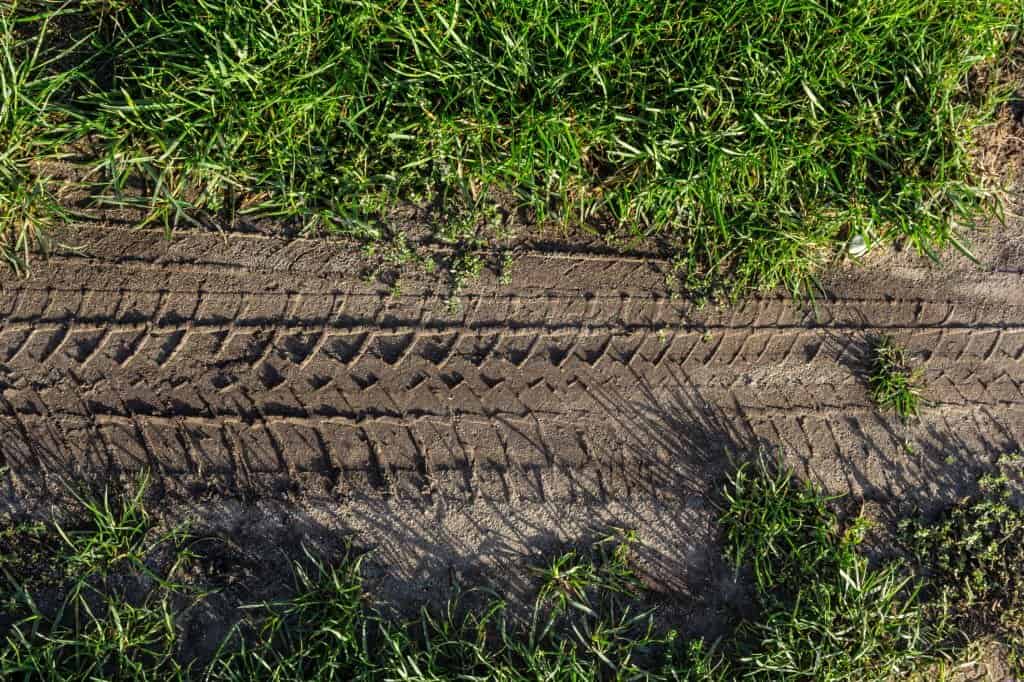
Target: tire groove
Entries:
(269, 368)
(258, 416)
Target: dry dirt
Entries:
(275, 394)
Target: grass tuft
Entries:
(893, 383)
(826, 613)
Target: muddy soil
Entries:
(274, 393)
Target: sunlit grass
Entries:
(753, 139)
(820, 611)
(894, 384)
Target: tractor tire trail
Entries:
(260, 365)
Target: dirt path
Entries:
(578, 397)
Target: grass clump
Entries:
(32, 85)
(752, 137)
(103, 608)
(893, 383)
(826, 614)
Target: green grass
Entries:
(973, 557)
(107, 597)
(31, 86)
(752, 138)
(113, 617)
(826, 614)
(893, 383)
(582, 628)
(821, 610)
(122, 604)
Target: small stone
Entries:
(857, 246)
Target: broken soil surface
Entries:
(276, 395)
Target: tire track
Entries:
(250, 371)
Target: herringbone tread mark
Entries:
(637, 450)
(255, 360)
(519, 394)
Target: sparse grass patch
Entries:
(753, 138)
(584, 624)
(894, 384)
(113, 619)
(582, 628)
(826, 614)
(823, 612)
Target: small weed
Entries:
(397, 251)
(973, 558)
(893, 383)
(389, 259)
(568, 580)
(465, 268)
(505, 271)
(459, 228)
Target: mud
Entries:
(273, 392)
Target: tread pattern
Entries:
(247, 379)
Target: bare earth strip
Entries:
(455, 438)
